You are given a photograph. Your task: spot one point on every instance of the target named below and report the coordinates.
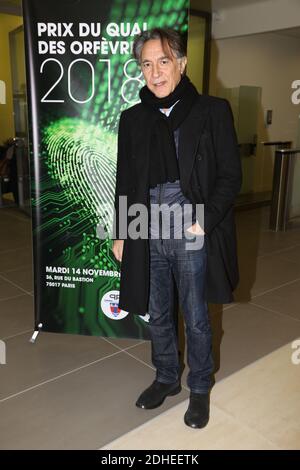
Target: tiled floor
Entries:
(255, 408)
(75, 392)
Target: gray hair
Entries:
(167, 36)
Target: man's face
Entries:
(161, 72)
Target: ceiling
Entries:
(221, 4)
(213, 5)
(12, 7)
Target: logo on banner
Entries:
(110, 306)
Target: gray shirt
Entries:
(177, 214)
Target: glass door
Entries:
(17, 59)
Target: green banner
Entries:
(80, 76)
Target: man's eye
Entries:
(165, 61)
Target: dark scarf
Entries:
(163, 160)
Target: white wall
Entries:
(270, 61)
(254, 17)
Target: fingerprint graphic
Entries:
(81, 158)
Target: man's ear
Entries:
(183, 63)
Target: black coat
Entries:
(210, 174)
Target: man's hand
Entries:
(117, 249)
(196, 229)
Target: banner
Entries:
(80, 76)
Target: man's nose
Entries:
(156, 70)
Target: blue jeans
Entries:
(169, 257)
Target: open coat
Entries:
(210, 174)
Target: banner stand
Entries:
(35, 333)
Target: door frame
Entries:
(207, 46)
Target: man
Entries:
(177, 148)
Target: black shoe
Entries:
(197, 414)
(155, 395)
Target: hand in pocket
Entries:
(196, 229)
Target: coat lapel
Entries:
(189, 137)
